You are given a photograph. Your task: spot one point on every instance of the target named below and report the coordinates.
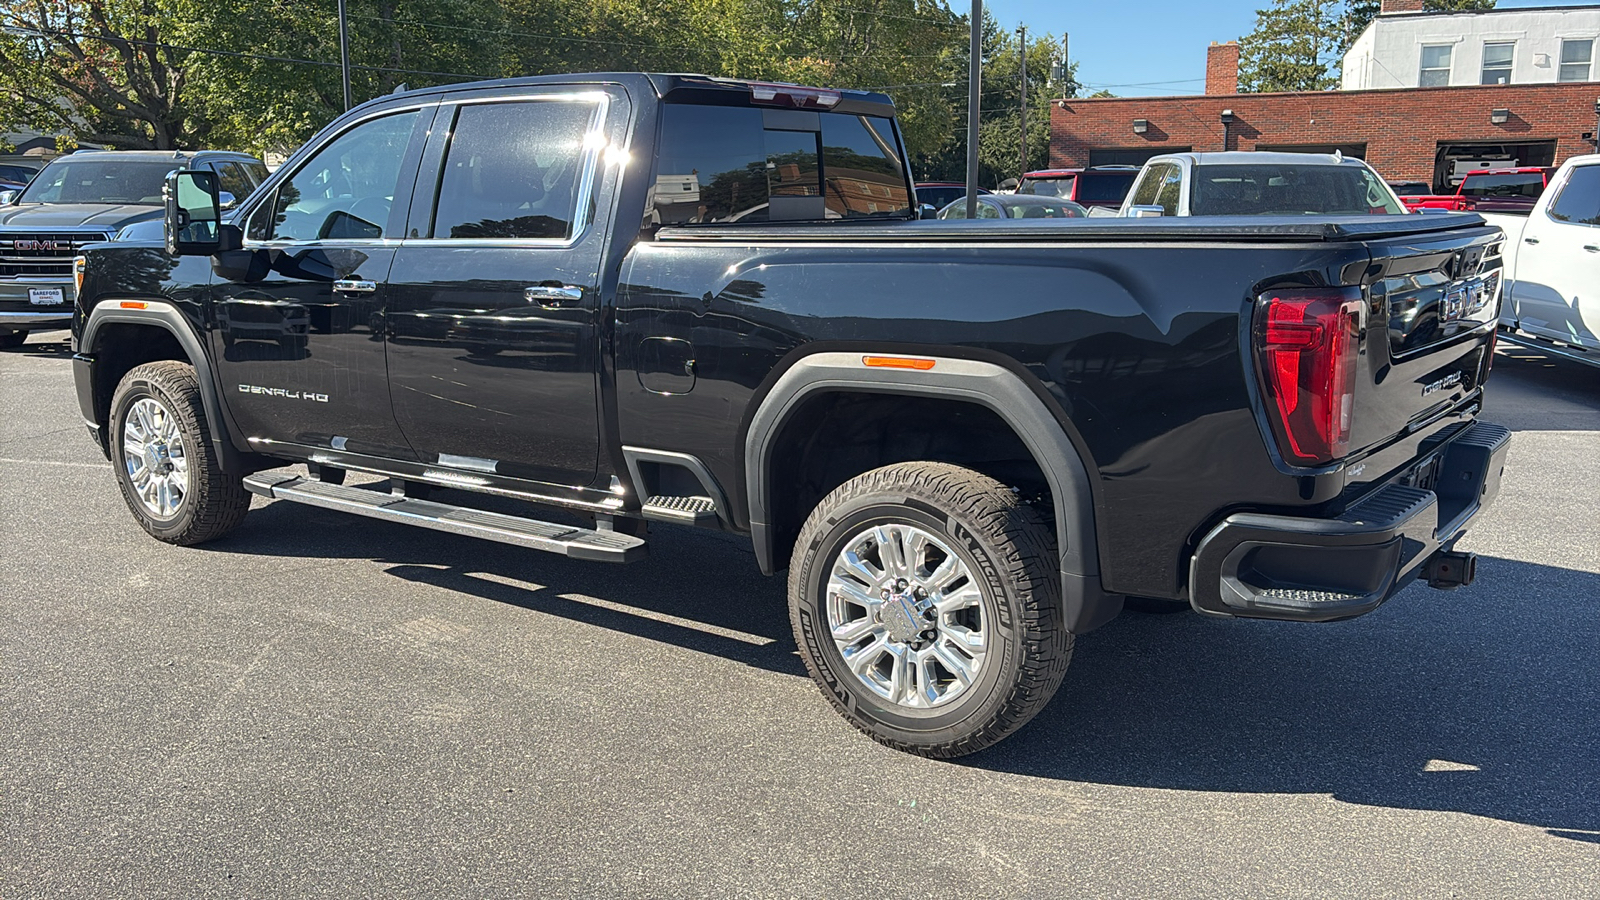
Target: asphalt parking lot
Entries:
(320, 705)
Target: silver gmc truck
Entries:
(80, 199)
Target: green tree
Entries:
(98, 71)
(1293, 47)
(1297, 45)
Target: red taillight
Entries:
(1309, 342)
(794, 95)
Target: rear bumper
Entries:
(1319, 570)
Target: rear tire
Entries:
(13, 340)
(166, 465)
(990, 646)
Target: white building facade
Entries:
(1404, 47)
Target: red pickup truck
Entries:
(1508, 190)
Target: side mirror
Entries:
(9, 197)
(226, 200)
(1146, 212)
(194, 214)
(928, 212)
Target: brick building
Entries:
(1427, 134)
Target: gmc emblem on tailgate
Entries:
(52, 246)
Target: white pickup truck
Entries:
(1551, 299)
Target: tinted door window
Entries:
(1144, 193)
(1171, 189)
(232, 179)
(1104, 187)
(513, 170)
(1579, 200)
(343, 192)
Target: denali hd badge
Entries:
(1449, 381)
(280, 392)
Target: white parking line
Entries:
(51, 462)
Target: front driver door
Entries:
(1557, 288)
(493, 337)
(299, 311)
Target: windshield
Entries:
(1052, 186)
(1526, 184)
(1290, 189)
(1105, 187)
(100, 181)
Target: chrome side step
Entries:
(1551, 348)
(699, 511)
(577, 543)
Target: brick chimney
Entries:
(1222, 67)
(1393, 7)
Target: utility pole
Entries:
(344, 54)
(1066, 66)
(1022, 37)
(974, 99)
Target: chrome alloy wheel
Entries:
(154, 457)
(907, 616)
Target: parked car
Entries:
(1259, 184)
(1017, 206)
(1552, 266)
(15, 176)
(939, 194)
(965, 443)
(1098, 186)
(1506, 190)
(79, 199)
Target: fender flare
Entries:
(1086, 604)
(161, 314)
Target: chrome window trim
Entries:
(594, 141)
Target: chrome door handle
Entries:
(1530, 240)
(1592, 248)
(552, 296)
(354, 286)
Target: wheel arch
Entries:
(984, 384)
(104, 356)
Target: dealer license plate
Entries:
(46, 296)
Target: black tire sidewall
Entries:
(983, 700)
(136, 387)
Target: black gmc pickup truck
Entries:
(661, 298)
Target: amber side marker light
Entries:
(897, 362)
(133, 304)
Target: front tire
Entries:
(166, 465)
(926, 604)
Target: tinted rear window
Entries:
(1529, 185)
(1266, 190)
(1058, 186)
(1104, 187)
(736, 164)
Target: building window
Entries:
(1435, 66)
(1576, 58)
(1497, 62)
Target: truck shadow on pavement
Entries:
(1484, 701)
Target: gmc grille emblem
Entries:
(52, 246)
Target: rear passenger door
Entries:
(493, 342)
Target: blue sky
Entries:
(1125, 48)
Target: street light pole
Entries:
(974, 98)
(1022, 32)
(344, 53)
